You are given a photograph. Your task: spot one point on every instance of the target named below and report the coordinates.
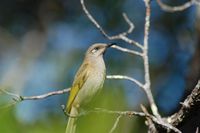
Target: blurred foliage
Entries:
(9, 124)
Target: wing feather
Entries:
(79, 80)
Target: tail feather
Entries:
(71, 125)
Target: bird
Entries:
(88, 81)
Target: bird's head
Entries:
(98, 49)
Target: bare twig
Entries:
(127, 50)
(15, 97)
(123, 113)
(115, 124)
(176, 8)
(46, 95)
(145, 88)
(121, 36)
(19, 98)
(127, 78)
(106, 111)
(146, 60)
(149, 122)
(126, 39)
(133, 113)
(131, 25)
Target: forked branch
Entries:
(121, 36)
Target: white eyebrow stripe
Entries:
(94, 50)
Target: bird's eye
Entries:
(95, 49)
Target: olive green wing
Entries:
(79, 80)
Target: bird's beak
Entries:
(109, 45)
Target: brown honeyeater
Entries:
(88, 81)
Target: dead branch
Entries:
(191, 104)
(127, 50)
(127, 78)
(121, 36)
(115, 124)
(19, 98)
(172, 9)
(147, 87)
(158, 124)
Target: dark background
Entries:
(42, 44)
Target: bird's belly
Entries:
(89, 90)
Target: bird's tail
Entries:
(71, 125)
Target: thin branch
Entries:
(10, 93)
(106, 111)
(123, 113)
(115, 124)
(146, 60)
(127, 78)
(126, 39)
(93, 20)
(131, 25)
(127, 50)
(149, 122)
(19, 98)
(176, 8)
(190, 105)
(121, 36)
(46, 95)
(15, 99)
(133, 113)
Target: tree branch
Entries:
(19, 98)
(153, 106)
(127, 78)
(121, 36)
(191, 104)
(172, 9)
(157, 124)
(127, 50)
(115, 124)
